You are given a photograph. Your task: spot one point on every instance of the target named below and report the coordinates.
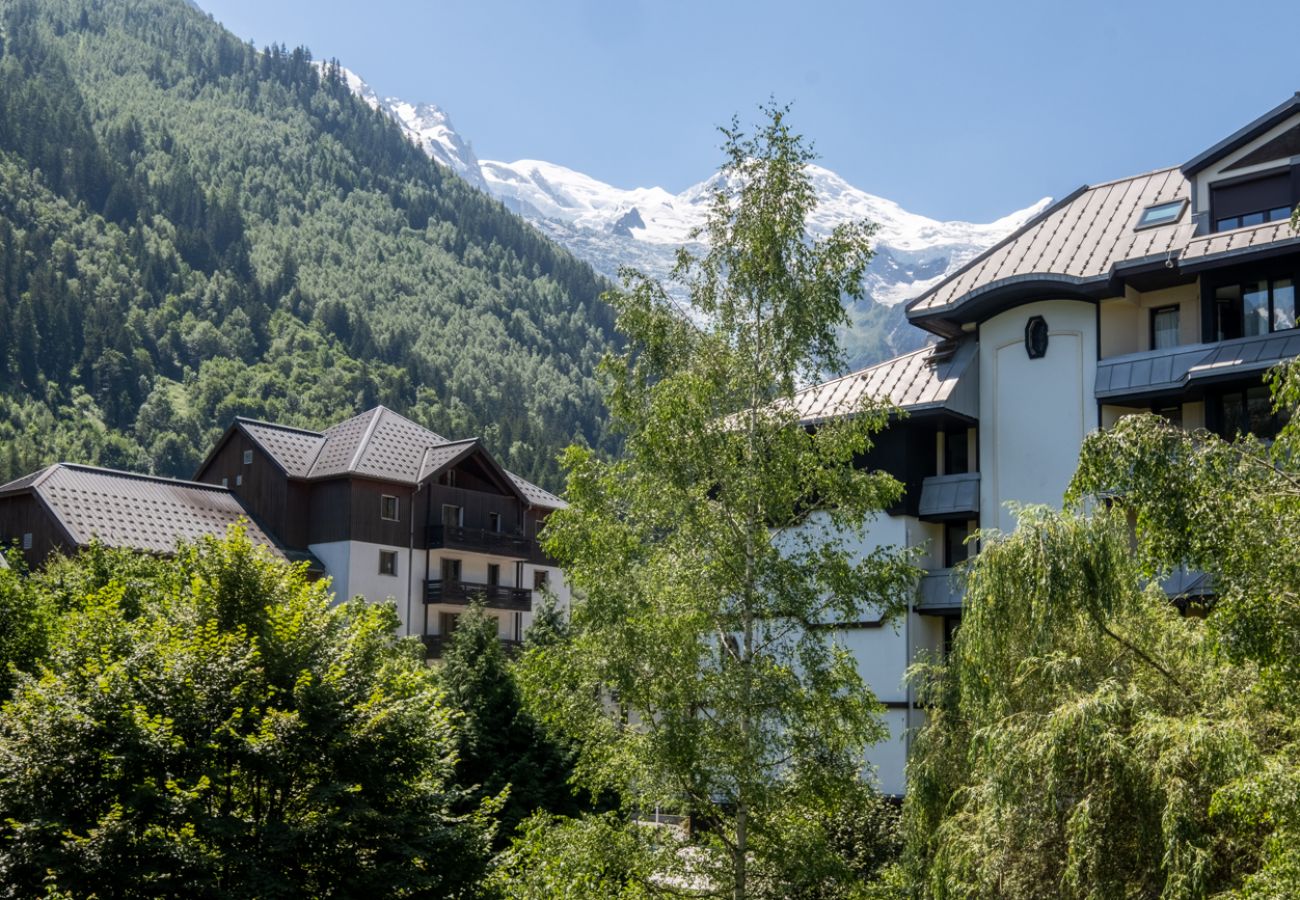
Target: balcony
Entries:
(435, 644)
(481, 540)
(1169, 372)
(950, 497)
(493, 596)
(939, 593)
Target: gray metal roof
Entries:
(143, 512)
(1212, 248)
(1167, 371)
(378, 443)
(1079, 240)
(914, 381)
(293, 448)
(950, 496)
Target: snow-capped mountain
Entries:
(613, 227)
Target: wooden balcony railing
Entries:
(483, 540)
(493, 596)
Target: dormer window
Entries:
(1161, 214)
(1254, 202)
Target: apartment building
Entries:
(1171, 292)
(385, 508)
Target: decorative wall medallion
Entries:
(1036, 337)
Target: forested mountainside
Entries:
(192, 229)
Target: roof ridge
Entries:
(139, 476)
(1115, 181)
(245, 420)
(375, 415)
(857, 373)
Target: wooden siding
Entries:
(24, 513)
(281, 507)
(331, 505)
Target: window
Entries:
(452, 516)
(27, 540)
(494, 522)
(494, 574)
(955, 548)
(1161, 214)
(248, 457)
(1248, 411)
(539, 579)
(225, 482)
(1255, 307)
(239, 479)
(1164, 327)
(451, 570)
(388, 507)
(956, 452)
(387, 562)
(1253, 202)
(1171, 414)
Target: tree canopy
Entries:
(211, 726)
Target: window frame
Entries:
(390, 556)
(397, 508)
(1143, 224)
(1268, 278)
(248, 457)
(1177, 310)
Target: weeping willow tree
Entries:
(1091, 738)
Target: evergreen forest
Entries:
(193, 228)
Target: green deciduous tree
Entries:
(704, 559)
(210, 726)
(1090, 737)
(500, 746)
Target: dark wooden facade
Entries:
(25, 514)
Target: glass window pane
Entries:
(1161, 213)
(1252, 219)
(1283, 304)
(1254, 308)
(1280, 214)
(1234, 419)
(1228, 308)
(1164, 328)
(1227, 224)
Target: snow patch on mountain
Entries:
(642, 227)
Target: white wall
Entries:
(353, 567)
(1034, 413)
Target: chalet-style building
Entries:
(393, 510)
(386, 509)
(1168, 292)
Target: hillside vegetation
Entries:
(193, 229)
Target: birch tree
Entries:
(708, 557)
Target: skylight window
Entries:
(1161, 214)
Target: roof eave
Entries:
(1242, 136)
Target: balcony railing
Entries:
(950, 496)
(940, 591)
(483, 540)
(435, 644)
(463, 593)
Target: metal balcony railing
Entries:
(493, 596)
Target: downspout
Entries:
(410, 548)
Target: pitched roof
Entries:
(144, 512)
(1079, 240)
(378, 443)
(922, 380)
(1243, 136)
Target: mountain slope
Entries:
(191, 229)
(611, 227)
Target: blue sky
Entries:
(956, 110)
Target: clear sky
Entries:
(956, 110)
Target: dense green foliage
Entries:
(499, 746)
(211, 726)
(191, 229)
(702, 555)
(1091, 739)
